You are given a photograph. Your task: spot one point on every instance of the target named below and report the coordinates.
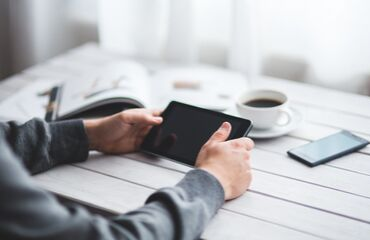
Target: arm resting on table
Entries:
(40, 145)
(28, 212)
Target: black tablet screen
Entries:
(186, 128)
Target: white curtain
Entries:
(36, 26)
(322, 42)
(41, 29)
(5, 65)
(186, 31)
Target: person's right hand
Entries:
(228, 161)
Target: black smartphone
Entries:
(328, 148)
(186, 128)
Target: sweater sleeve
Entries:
(28, 212)
(41, 146)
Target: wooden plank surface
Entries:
(322, 175)
(4, 94)
(352, 122)
(121, 196)
(95, 189)
(288, 205)
(228, 225)
(266, 183)
(15, 83)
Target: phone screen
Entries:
(186, 128)
(328, 148)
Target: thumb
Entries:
(222, 133)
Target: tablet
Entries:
(185, 129)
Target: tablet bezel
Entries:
(242, 131)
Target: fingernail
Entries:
(158, 119)
(224, 125)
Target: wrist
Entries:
(91, 127)
(219, 178)
(200, 184)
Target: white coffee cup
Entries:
(264, 107)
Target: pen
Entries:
(51, 108)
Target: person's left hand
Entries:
(122, 132)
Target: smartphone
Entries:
(186, 128)
(328, 148)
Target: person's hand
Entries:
(122, 132)
(228, 161)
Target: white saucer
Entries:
(275, 131)
(278, 130)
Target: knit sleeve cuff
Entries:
(69, 142)
(199, 184)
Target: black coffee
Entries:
(263, 103)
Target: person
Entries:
(181, 212)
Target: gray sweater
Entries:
(29, 212)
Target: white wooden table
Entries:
(286, 200)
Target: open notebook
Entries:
(111, 89)
(121, 85)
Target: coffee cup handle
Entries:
(288, 114)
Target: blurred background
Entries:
(323, 42)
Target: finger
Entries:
(221, 134)
(251, 143)
(243, 142)
(156, 112)
(140, 117)
(247, 156)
